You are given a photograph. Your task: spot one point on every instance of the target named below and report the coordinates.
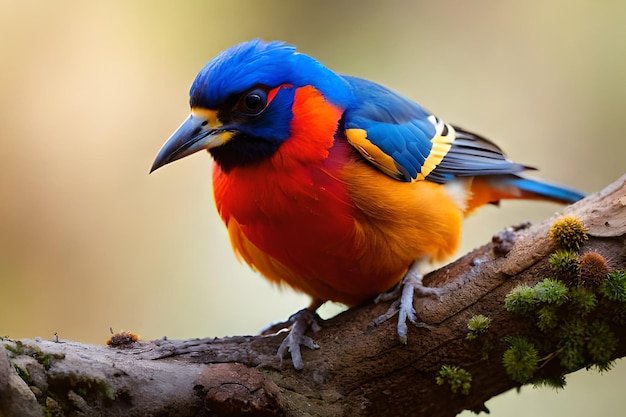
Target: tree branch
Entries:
(357, 371)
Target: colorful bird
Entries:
(336, 185)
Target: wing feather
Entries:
(408, 143)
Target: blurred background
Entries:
(89, 91)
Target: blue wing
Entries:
(408, 143)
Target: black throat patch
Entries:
(243, 150)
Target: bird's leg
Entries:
(402, 296)
(302, 321)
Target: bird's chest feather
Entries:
(290, 214)
(292, 206)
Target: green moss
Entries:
(521, 359)
(477, 325)
(557, 382)
(458, 378)
(582, 301)
(571, 342)
(601, 345)
(526, 300)
(561, 314)
(16, 349)
(551, 291)
(565, 266)
(547, 318)
(521, 300)
(45, 359)
(574, 310)
(614, 286)
(24, 374)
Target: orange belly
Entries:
(344, 235)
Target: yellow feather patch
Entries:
(442, 142)
(209, 115)
(358, 139)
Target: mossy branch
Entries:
(457, 361)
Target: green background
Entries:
(89, 91)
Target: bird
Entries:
(334, 185)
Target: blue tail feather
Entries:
(550, 191)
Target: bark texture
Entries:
(358, 371)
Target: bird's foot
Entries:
(302, 321)
(402, 296)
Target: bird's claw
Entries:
(402, 296)
(302, 321)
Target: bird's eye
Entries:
(252, 103)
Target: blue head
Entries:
(241, 103)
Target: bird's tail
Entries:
(492, 189)
(545, 191)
